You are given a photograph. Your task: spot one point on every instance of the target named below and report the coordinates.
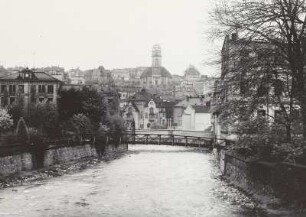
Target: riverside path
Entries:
(148, 180)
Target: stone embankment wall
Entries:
(284, 180)
(30, 159)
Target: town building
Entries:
(55, 71)
(147, 111)
(183, 108)
(242, 59)
(76, 76)
(30, 86)
(197, 118)
(156, 76)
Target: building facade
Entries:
(156, 75)
(30, 86)
(147, 111)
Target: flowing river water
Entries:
(147, 181)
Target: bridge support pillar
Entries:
(159, 139)
(186, 140)
(172, 139)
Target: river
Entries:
(147, 181)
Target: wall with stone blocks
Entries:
(284, 180)
(24, 161)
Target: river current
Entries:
(147, 181)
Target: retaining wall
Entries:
(30, 159)
(284, 180)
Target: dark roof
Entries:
(135, 107)
(161, 70)
(201, 109)
(35, 76)
(142, 95)
(193, 101)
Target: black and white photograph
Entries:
(153, 108)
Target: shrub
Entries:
(6, 121)
(22, 131)
(116, 124)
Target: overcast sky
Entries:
(111, 33)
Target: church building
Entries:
(156, 75)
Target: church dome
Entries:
(191, 71)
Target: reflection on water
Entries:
(147, 181)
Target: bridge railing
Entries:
(174, 138)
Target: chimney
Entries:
(234, 36)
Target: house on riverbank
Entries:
(30, 86)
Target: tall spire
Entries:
(156, 56)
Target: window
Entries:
(21, 88)
(3, 88)
(12, 89)
(148, 125)
(41, 99)
(41, 89)
(262, 90)
(243, 87)
(261, 113)
(151, 111)
(50, 100)
(50, 89)
(12, 100)
(277, 115)
(33, 89)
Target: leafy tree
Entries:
(86, 101)
(116, 126)
(6, 121)
(44, 117)
(81, 124)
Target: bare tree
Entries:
(281, 24)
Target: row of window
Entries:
(12, 100)
(41, 88)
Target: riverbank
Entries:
(30, 177)
(277, 188)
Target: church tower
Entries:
(156, 56)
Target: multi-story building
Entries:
(76, 76)
(156, 76)
(31, 86)
(183, 108)
(242, 61)
(147, 111)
